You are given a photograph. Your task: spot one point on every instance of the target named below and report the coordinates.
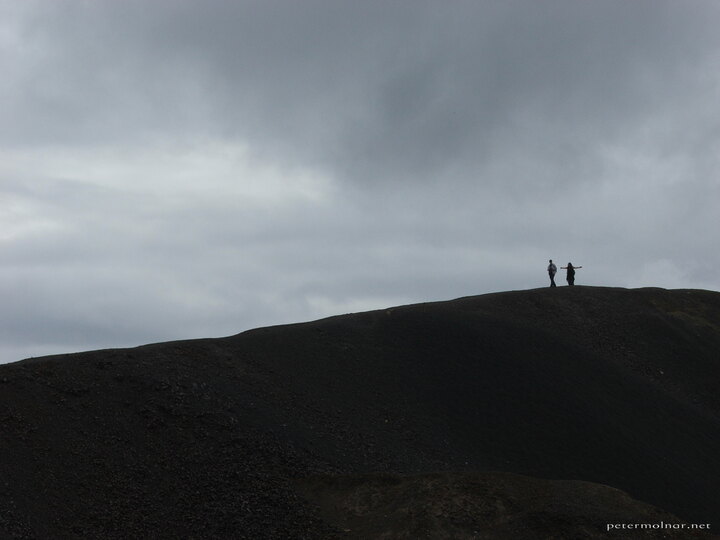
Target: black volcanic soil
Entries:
(480, 505)
(270, 433)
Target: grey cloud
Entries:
(372, 89)
(462, 145)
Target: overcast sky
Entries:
(180, 169)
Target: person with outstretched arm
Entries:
(570, 273)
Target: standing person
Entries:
(552, 269)
(570, 273)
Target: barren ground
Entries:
(533, 414)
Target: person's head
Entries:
(550, 261)
(570, 265)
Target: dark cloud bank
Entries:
(181, 169)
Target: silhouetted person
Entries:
(570, 273)
(552, 270)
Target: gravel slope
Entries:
(214, 438)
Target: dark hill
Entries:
(269, 434)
